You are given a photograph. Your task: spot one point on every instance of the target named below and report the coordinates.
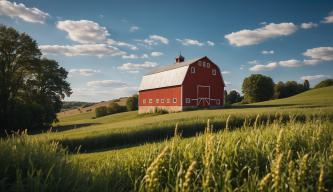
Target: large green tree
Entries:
(257, 88)
(31, 88)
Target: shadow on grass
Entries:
(72, 126)
(163, 131)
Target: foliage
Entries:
(324, 83)
(257, 88)
(67, 105)
(31, 89)
(233, 97)
(290, 88)
(132, 103)
(116, 108)
(101, 111)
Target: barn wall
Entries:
(203, 76)
(162, 98)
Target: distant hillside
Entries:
(74, 108)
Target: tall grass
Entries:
(266, 156)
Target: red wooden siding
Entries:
(162, 93)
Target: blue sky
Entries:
(108, 45)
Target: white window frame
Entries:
(150, 100)
(218, 102)
(193, 70)
(174, 100)
(204, 64)
(162, 100)
(187, 100)
(213, 71)
(200, 63)
(157, 100)
(144, 101)
(168, 100)
(208, 65)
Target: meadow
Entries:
(278, 145)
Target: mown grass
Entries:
(275, 156)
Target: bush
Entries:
(290, 88)
(115, 108)
(257, 88)
(101, 111)
(324, 83)
(233, 97)
(132, 103)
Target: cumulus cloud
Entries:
(156, 54)
(320, 53)
(329, 18)
(261, 67)
(190, 42)
(311, 61)
(19, 10)
(314, 77)
(84, 72)
(251, 37)
(84, 31)
(225, 72)
(290, 63)
(121, 44)
(254, 62)
(309, 25)
(135, 68)
(210, 43)
(134, 56)
(134, 28)
(85, 49)
(154, 40)
(267, 52)
(107, 83)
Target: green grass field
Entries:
(280, 145)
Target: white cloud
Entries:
(121, 44)
(311, 61)
(156, 54)
(210, 43)
(84, 72)
(320, 53)
(261, 67)
(134, 56)
(154, 40)
(290, 63)
(225, 72)
(189, 42)
(85, 49)
(19, 10)
(329, 18)
(254, 62)
(309, 25)
(84, 31)
(134, 68)
(241, 67)
(107, 83)
(250, 37)
(267, 52)
(314, 77)
(227, 82)
(134, 28)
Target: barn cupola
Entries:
(180, 59)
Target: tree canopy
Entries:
(257, 88)
(324, 83)
(31, 88)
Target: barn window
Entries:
(217, 101)
(208, 65)
(150, 100)
(204, 64)
(188, 100)
(162, 100)
(174, 100)
(168, 100)
(144, 101)
(200, 63)
(214, 72)
(193, 70)
(157, 100)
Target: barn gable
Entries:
(167, 76)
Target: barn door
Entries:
(203, 95)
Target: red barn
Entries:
(182, 85)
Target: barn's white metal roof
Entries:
(166, 76)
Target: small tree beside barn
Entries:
(182, 85)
